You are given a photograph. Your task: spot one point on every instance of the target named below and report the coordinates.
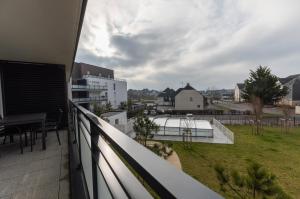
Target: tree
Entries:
(108, 106)
(123, 106)
(257, 183)
(98, 109)
(144, 127)
(129, 104)
(262, 87)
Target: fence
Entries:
(228, 133)
(274, 121)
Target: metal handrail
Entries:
(111, 144)
(102, 98)
(89, 87)
(99, 77)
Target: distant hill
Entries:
(142, 94)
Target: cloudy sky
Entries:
(208, 43)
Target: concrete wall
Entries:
(189, 100)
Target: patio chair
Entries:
(10, 132)
(53, 125)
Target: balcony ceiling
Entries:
(42, 31)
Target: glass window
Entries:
(191, 99)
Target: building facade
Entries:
(96, 85)
(238, 92)
(188, 98)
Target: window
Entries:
(198, 106)
(191, 99)
(116, 121)
(114, 87)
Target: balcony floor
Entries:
(37, 174)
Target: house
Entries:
(238, 92)
(166, 97)
(117, 119)
(293, 84)
(188, 98)
(97, 85)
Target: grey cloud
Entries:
(197, 47)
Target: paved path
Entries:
(174, 160)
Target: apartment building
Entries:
(97, 85)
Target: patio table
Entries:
(32, 118)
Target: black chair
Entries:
(53, 124)
(10, 132)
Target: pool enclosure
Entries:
(178, 126)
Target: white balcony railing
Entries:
(88, 87)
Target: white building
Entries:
(188, 98)
(117, 119)
(238, 92)
(97, 85)
(116, 92)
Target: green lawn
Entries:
(279, 153)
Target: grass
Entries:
(279, 153)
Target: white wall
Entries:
(122, 119)
(189, 100)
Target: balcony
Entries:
(88, 88)
(89, 99)
(35, 174)
(104, 78)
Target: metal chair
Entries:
(10, 132)
(53, 125)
